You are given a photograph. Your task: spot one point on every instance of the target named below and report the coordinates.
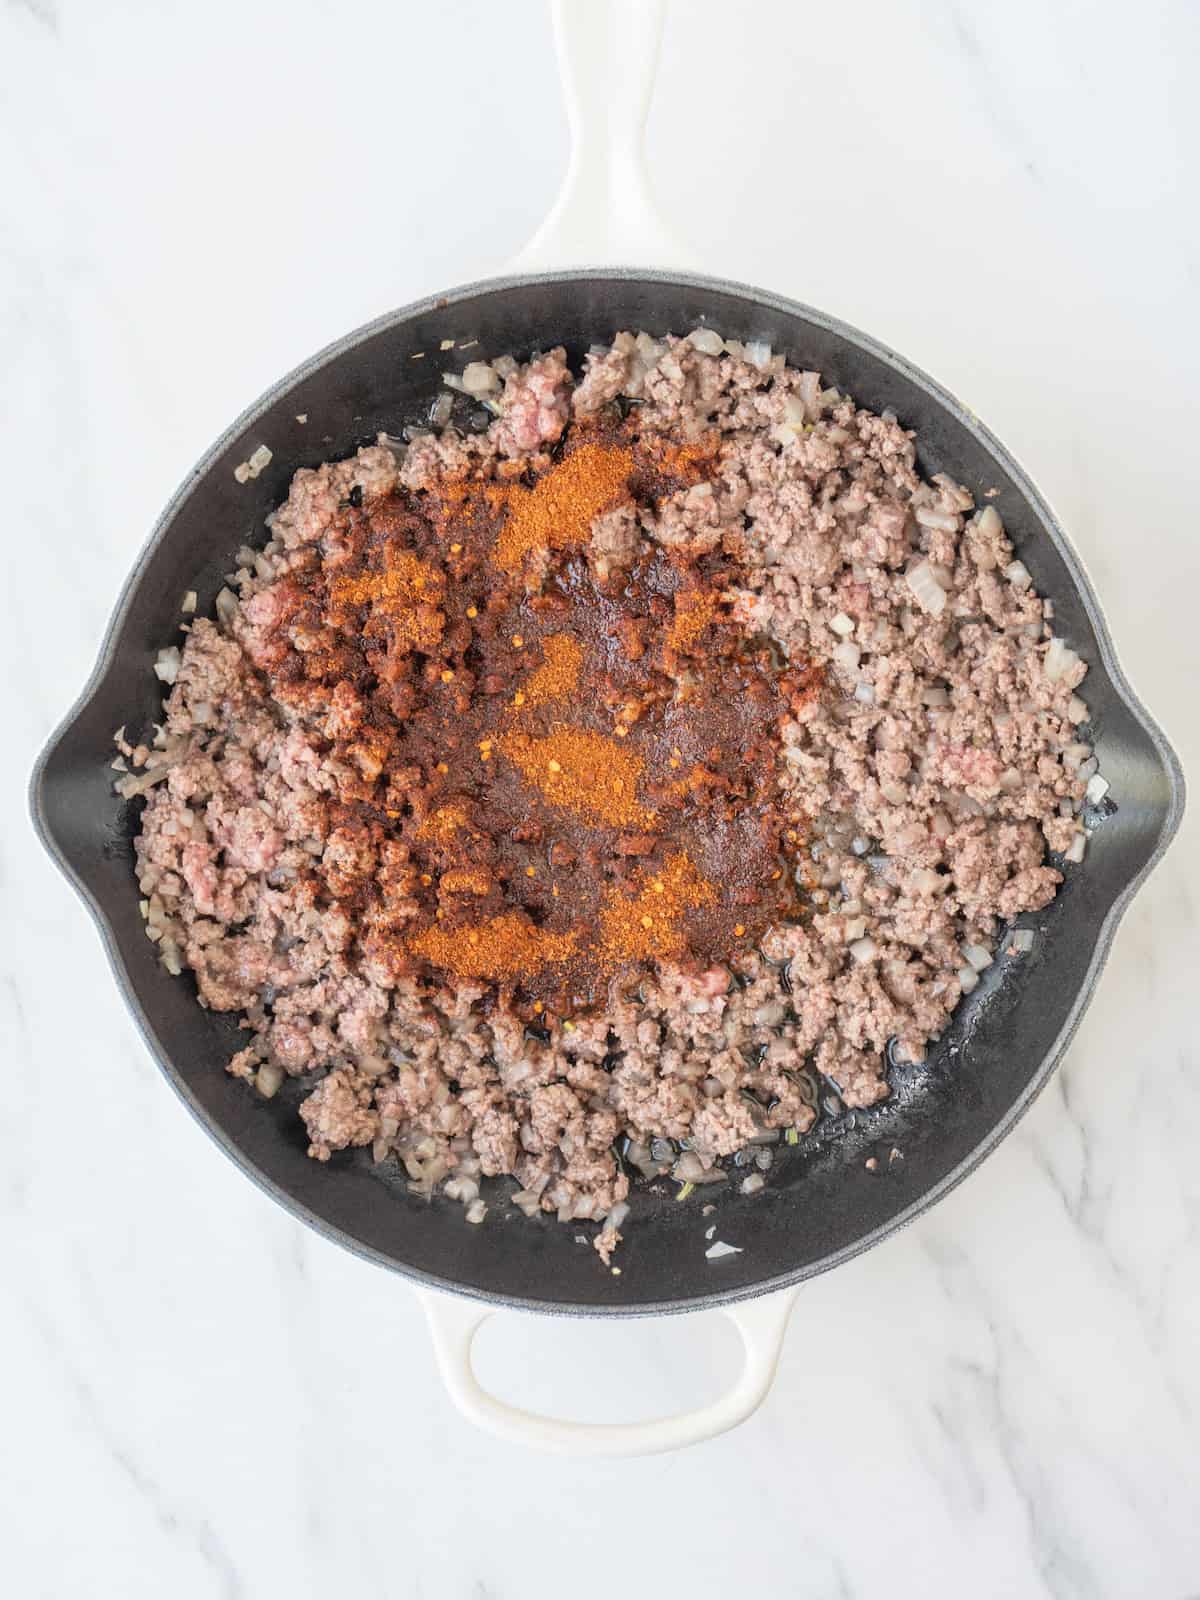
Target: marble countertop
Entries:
(202, 1399)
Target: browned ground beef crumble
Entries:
(885, 743)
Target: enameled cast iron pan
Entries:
(821, 1206)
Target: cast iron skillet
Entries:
(821, 1205)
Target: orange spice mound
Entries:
(694, 610)
(501, 759)
(404, 579)
(644, 927)
(562, 658)
(444, 824)
(583, 772)
(647, 926)
(404, 599)
(558, 510)
(503, 948)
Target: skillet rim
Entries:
(943, 398)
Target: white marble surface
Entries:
(201, 1398)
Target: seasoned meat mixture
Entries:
(596, 792)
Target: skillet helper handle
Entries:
(604, 216)
(454, 1322)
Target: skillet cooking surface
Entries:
(821, 1204)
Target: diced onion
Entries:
(1022, 941)
(649, 349)
(1018, 574)
(863, 950)
(953, 494)
(753, 1183)
(1075, 850)
(167, 665)
(256, 463)
(464, 1189)
(138, 782)
(926, 590)
(479, 378)
(977, 956)
(1097, 788)
(942, 521)
(793, 418)
(476, 1211)
(758, 354)
(842, 625)
(968, 979)
(689, 1168)
(810, 393)
(716, 1251)
(707, 340)
(268, 1079)
(1058, 660)
(847, 655)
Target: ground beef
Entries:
(338, 1113)
(935, 753)
(535, 405)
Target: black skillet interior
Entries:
(821, 1203)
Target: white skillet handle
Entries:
(604, 216)
(454, 1322)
